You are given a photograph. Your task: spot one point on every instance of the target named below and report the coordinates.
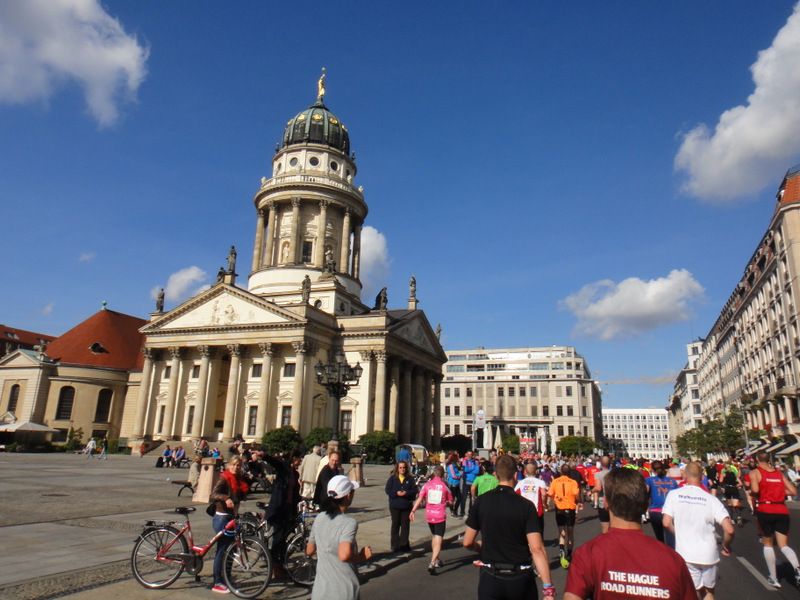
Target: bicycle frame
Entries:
(186, 530)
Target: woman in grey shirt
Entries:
(333, 538)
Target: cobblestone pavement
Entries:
(68, 525)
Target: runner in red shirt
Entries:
(769, 487)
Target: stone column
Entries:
(265, 401)
(258, 248)
(364, 418)
(394, 394)
(379, 424)
(231, 398)
(322, 224)
(269, 251)
(427, 422)
(300, 349)
(772, 415)
(308, 387)
(356, 270)
(202, 390)
(143, 400)
(405, 405)
(172, 390)
(344, 255)
(437, 411)
(787, 409)
(419, 405)
(210, 408)
(293, 250)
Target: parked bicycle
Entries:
(162, 552)
(301, 568)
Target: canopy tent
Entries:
(26, 426)
(790, 449)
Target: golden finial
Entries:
(321, 86)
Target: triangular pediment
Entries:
(222, 306)
(22, 359)
(416, 330)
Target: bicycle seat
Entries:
(185, 510)
(262, 505)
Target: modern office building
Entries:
(543, 393)
(637, 432)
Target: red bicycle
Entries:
(162, 552)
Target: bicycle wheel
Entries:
(153, 572)
(247, 567)
(249, 525)
(301, 568)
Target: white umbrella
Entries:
(26, 426)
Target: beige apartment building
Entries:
(751, 356)
(544, 393)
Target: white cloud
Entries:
(45, 43)
(48, 309)
(86, 256)
(752, 143)
(182, 285)
(375, 262)
(607, 310)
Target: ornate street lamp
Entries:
(337, 377)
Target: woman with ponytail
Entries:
(333, 539)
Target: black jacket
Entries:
(393, 486)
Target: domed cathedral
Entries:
(234, 361)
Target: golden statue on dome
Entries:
(321, 86)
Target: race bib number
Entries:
(434, 496)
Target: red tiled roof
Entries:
(26, 339)
(114, 336)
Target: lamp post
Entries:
(337, 376)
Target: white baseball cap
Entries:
(340, 486)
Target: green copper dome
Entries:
(317, 125)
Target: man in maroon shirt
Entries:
(625, 563)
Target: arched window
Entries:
(13, 398)
(66, 397)
(103, 406)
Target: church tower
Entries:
(309, 217)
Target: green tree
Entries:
(724, 433)
(574, 445)
(511, 444)
(74, 439)
(379, 445)
(281, 440)
(317, 437)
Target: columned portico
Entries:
(202, 389)
(172, 392)
(231, 399)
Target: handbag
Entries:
(211, 509)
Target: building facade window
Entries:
(457, 411)
(545, 411)
(252, 417)
(447, 429)
(308, 248)
(288, 370)
(190, 419)
(347, 423)
(103, 409)
(570, 411)
(13, 398)
(447, 410)
(286, 416)
(457, 392)
(256, 372)
(66, 398)
(195, 371)
(559, 411)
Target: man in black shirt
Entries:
(511, 534)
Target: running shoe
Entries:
(220, 589)
(773, 582)
(739, 521)
(438, 564)
(432, 569)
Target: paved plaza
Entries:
(68, 526)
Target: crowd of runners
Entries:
(685, 504)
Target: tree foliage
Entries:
(281, 440)
(511, 444)
(74, 439)
(575, 445)
(317, 437)
(723, 434)
(379, 445)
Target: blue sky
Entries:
(573, 173)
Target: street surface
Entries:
(68, 525)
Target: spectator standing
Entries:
(402, 492)
(769, 488)
(454, 476)
(326, 473)
(437, 498)
(511, 541)
(485, 481)
(90, 446)
(604, 567)
(691, 512)
(470, 468)
(229, 490)
(308, 473)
